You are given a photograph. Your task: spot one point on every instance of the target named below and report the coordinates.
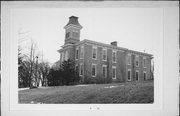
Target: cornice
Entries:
(74, 26)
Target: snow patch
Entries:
(113, 86)
(81, 85)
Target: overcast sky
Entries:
(133, 28)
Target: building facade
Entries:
(97, 62)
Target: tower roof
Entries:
(73, 20)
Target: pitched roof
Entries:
(73, 20)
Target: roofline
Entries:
(73, 16)
(101, 44)
(106, 45)
(137, 52)
(64, 47)
(111, 46)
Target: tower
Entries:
(72, 31)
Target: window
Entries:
(75, 34)
(94, 70)
(104, 71)
(76, 69)
(137, 61)
(113, 72)
(144, 75)
(129, 59)
(137, 75)
(114, 56)
(77, 53)
(66, 55)
(144, 62)
(94, 53)
(81, 70)
(104, 54)
(62, 56)
(129, 74)
(67, 34)
(82, 52)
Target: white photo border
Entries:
(166, 87)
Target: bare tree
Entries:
(32, 77)
(31, 71)
(44, 71)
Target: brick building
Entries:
(97, 62)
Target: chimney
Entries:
(114, 43)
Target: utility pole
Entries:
(43, 82)
(36, 77)
(30, 64)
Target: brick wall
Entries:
(120, 65)
(140, 68)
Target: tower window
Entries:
(67, 34)
(66, 55)
(75, 34)
(62, 56)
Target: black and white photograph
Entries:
(83, 57)
(76, 55)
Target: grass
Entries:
(130, 92)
